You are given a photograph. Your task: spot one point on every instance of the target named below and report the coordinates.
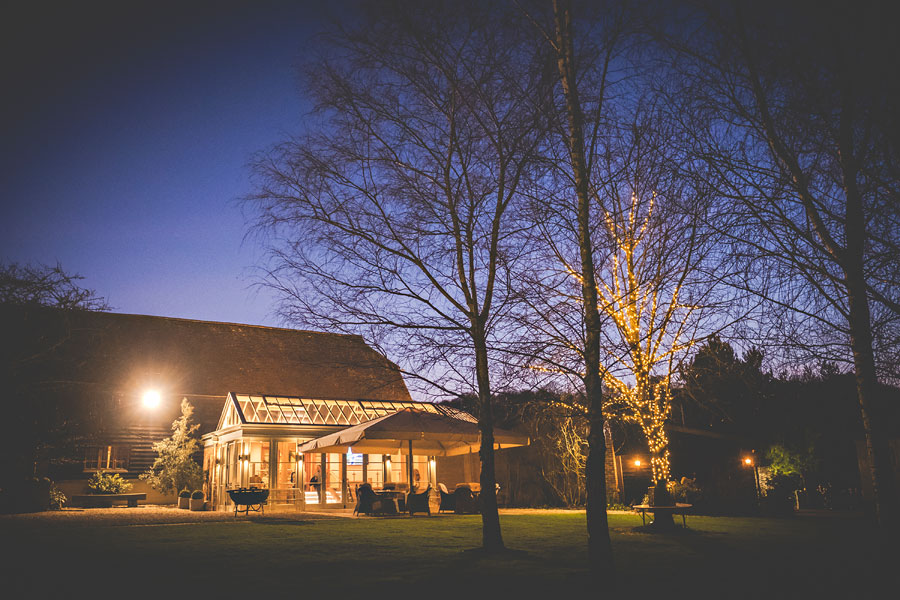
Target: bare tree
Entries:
(396, 216)
(558, 425)
(657, 274)
(645, 290)
(37, 305)
(580, 117)
(43, 285)
(806, 150)
(600, 556)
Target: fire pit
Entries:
(250, 498)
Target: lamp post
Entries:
(749, 462)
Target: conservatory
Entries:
(256, 445)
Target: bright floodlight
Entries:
(151, 399)
(637, 462)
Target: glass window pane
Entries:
(333, 480)
(258, 467)
(375, 470)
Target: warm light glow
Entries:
(748, 461)
(637, 462)
(151, 399)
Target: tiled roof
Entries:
(123, 354)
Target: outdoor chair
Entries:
(418, 502)
(466, 502)
(448, 500)
(365, 500)
(369, 502)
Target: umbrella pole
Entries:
(409, 467)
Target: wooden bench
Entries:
(678, 509)
(106, 500)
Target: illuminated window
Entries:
(307, 411)
(112, 457)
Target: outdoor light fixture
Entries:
(151, 399)
(637, 462)
(748, 462)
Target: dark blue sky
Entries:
(126, 132)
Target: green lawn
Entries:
(717, 557)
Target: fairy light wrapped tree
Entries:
(641, 286)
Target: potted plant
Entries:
(197, 501)
(184, 499)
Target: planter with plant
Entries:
(184, 499)
(107, 483)
(197, 501)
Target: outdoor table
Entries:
(398, 497)
(677, 509)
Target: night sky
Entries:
(127, 128)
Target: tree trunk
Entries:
(878, 451)
(491, 537)
(600, 559)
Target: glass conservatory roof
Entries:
(245, 409)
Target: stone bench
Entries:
(105, 500)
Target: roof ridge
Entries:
(333, 399)
(205, 322)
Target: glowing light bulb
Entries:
(151, 399)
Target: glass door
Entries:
(287, 485)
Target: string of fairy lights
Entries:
(650, 327)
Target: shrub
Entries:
(197, 495)
(685, 491)
(108, 483)
(57, 498)
(174, 467)
(185, 493)
(780, 499)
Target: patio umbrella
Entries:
(414, 432)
